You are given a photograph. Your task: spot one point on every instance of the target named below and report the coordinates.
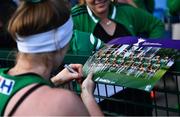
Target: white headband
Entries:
(47, 41)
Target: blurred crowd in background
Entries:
(166, 10)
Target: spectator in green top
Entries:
(99, 21)
(107, 20)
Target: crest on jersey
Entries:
(6, 85)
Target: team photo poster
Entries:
(132, 62)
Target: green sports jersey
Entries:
(136, 21)
(10, 85)
(84, 43)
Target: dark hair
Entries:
(39, 17)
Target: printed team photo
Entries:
(125, 64)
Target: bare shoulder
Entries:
(48, 101)
(64, 102)
(54, 102)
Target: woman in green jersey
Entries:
(42, 30)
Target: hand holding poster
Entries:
(132, 62)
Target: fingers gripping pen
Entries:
(69, 68)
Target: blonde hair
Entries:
(35, 18)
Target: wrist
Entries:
(56, 81)
(87, 97)
(85, 93)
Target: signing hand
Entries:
(65, 75)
